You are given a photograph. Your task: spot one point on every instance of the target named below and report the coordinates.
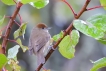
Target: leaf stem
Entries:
(12, 40)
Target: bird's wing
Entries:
(37, 41)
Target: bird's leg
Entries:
(51, 44)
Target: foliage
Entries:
(98, 64)
(67, 45)
(103, 3)
(95, 27)
(88, 29)
(3, 60)
(12, 58)
(24, 48)
(39, 3)
(12, 52)
(56, 37)
(35, 3)
(2, 20)
(20, 31)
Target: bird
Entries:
(39, 42)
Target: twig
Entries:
(3, 69)
(17, 23)
(70, 7)
(3, 28)
(8, 29)
(94, 8)
(65, 33)
(12, 40)
(14, 20)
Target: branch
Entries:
(83, 9)
(65, 33)
(10, 24)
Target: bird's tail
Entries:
(40, 59)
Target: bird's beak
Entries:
(49, 28)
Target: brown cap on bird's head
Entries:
(41, 25)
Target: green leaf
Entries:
(20, 31)
(23, 28)
(1, 51)
(24, 48)
(74, 37)
(16, 33)
(0, 34)
(88, 29)
(14, 64)
(99, 64)
(27, 1)
(3, 60)
(103, 41)
(39, 3)
(56, 37)
(67, 45)
(11, 2)
(2, 20)
(99, 21)
(12, 52)
(8, 2)
(103, 3)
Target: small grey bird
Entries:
(38, 40)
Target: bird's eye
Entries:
(42, 27)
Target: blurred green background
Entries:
(58, 16)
